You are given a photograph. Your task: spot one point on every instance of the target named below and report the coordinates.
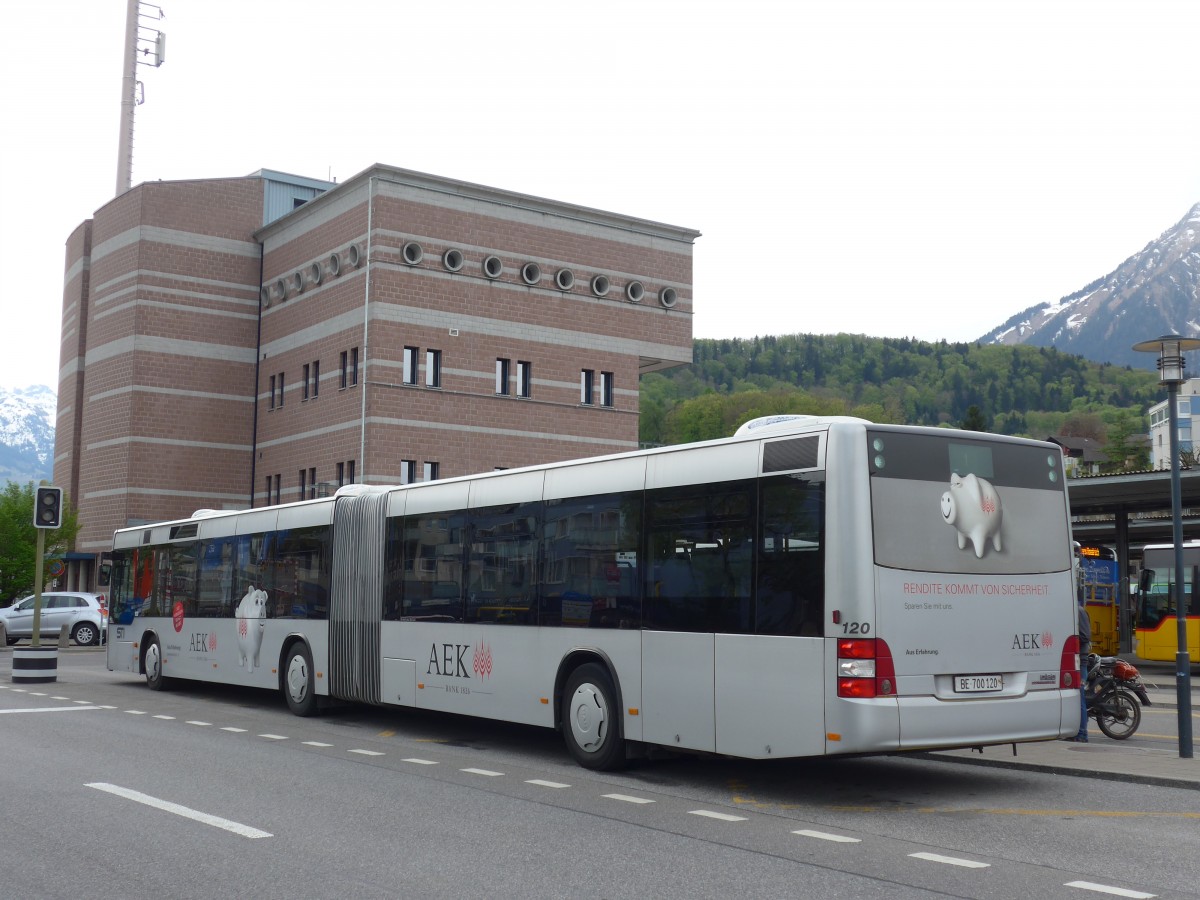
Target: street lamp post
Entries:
(1170, 349)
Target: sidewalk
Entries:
(1102, 757)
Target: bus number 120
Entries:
(856, 628)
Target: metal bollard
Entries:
(3, 636)
(64, 636)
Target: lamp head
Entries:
(1170, 349)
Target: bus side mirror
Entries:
(1145, 580)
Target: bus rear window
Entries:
(968, 505)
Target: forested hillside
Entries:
(1034, 391)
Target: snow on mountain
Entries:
(1153, 292)
(27, 417)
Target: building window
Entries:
(408, 471)
(606, 388)
(303, 483)
(304, 383)
(433, 368)
(353, 366)
(280, 382)
(410, 365)
(502, 377)
(316, 377)
(345, 370)
(312, 482)
(267, 501)
(587, 379)
(350, 472)
(524, 379)
(278, 489)
(341, 474)
(272, 401)
(431, 471)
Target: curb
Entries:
(1046, 769)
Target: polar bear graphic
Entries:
(973, 507)
(251, 622)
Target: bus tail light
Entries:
(865, 668)
(1068, 666)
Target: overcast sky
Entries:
(890, 168)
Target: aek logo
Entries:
(202, 642)
(450, 660)
(1028, 641)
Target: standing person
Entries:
(1085, 647)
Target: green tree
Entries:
(18, 540)
(1122, 448)
(974, 419)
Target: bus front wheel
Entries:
(591, 719)
(153, 665)
(298, 684)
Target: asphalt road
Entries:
(203, 791)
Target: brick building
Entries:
(236, 342)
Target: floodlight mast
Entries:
(150, 45)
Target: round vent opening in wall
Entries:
(281, 289)
(413, 253)
(353, 256)
(565, 279)
(335, 265)
(452, 260)
(635, 291)
(264, 296)
(314, 273)
(600, 285)
(298, 282)
(492, 267)
(668, 297)
(531, 273)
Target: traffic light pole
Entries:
(36, 640)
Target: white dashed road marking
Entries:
(625, 798)
(549, 784)
(826, 836)
(51, 709)
(366, 752)
(316, 744)
(1109, 889)
(709, 814)
(488, 772)
(421, 762)
(951, 860)
(167, 806)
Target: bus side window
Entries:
(791, 570)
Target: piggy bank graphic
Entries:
(973, 507)
(251, 622)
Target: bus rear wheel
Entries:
(591, 719)
(298, 685)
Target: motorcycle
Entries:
(1114, 689)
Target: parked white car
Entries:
(85, 616)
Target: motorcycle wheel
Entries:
(1119, 715)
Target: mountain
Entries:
(27, 433)
(1154, 292)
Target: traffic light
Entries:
(47, 507)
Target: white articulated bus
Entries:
(806, 587)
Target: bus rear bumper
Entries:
(927, 723)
